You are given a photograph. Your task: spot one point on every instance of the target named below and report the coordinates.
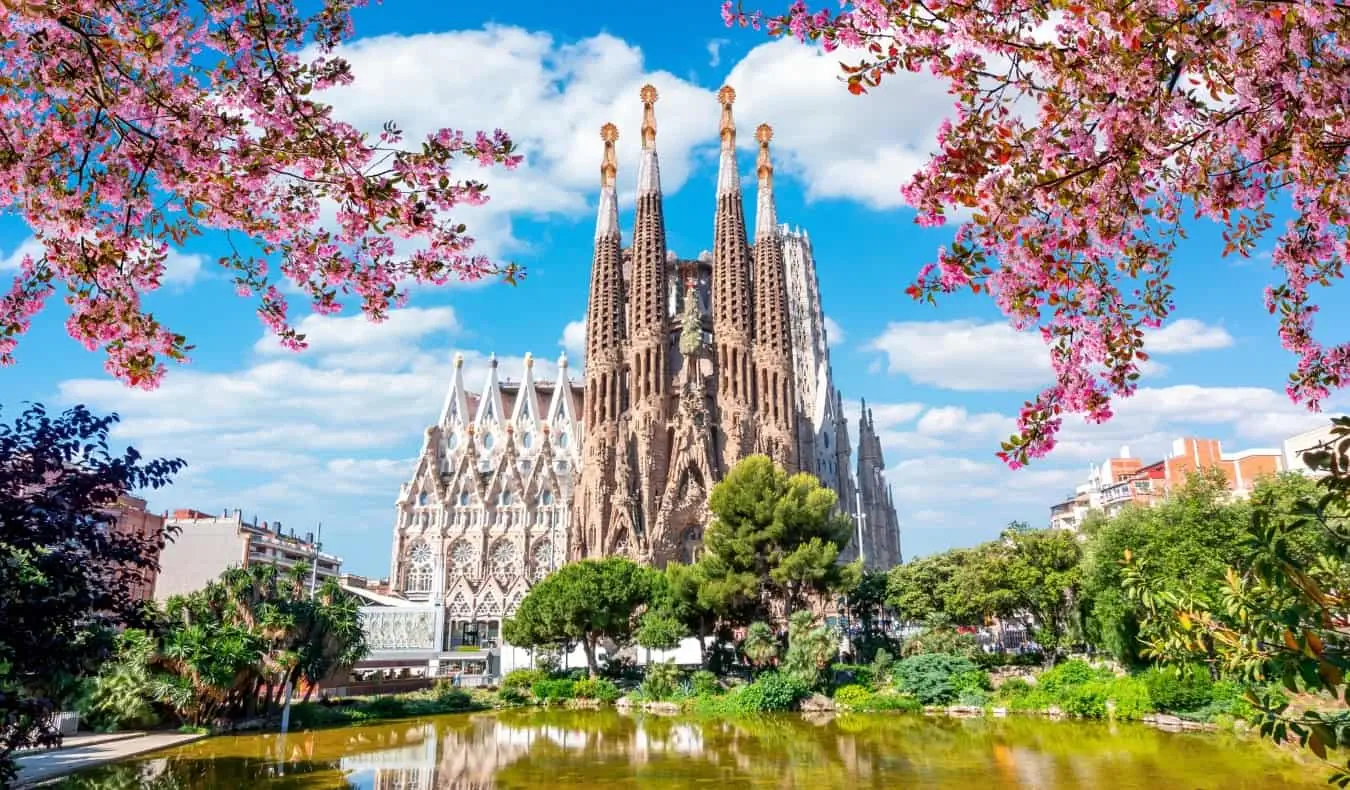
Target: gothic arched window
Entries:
(541, 560)
(419, 568)
(464, 498)
(422, 498)
(505, 561)
(462, 558)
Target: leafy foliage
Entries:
(67, 577)
(936, 679)
(583, 602)
(1280, 613)
(773, 536)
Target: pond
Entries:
(520, 749)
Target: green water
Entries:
(605, 749)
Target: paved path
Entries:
(80, 752)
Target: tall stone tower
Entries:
(733, 328)
(880, 532)
(776, 400)
(694, 364)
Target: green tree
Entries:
(66, 575)
(760, 645)
(583, 603)
(811, 647)
(1042, 573)
(922, 587)
(1279, 615)
(1189, 540)
(773, 537)
(866, 605)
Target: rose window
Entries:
(505, 561)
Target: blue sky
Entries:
(328, 435)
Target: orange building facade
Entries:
(1126, 480)
(134, 519)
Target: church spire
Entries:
(607, 219)
(649, 169)
(776, 401)
(647, 292)
(766, 213)
(733, 325)
(604, 314)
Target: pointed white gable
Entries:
(560, 407)
(456, 408)
(526, 402)
(490, 403)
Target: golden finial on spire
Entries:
(648, 96)
(764, 166)
(727, 97)
(609, 165)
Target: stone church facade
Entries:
(691, 365)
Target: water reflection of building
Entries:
(472, 755)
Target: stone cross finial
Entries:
(609, 165)
(648, 96)
(727, 96)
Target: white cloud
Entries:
(834, 333)
(970, 355)
(1186, 334)
(715, 51)
(560, 93)
(891, 131)
(290, 432)
(573, 341)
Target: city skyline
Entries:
(329, 434)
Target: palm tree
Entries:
(760, 646)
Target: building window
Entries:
(487, 441)
(419, 568)
(453, 441)
(546, 498)
(464, 498)
(527, 441)
(421, 499)
(562, 438)
(505, 561)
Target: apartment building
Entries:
(206, 545)
(1294, 447)
(133, 519)
(1126, 480)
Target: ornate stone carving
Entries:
(399, 629)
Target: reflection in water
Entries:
(606, 749)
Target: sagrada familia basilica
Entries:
(691, 365)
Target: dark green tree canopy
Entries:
(66, 576)
(773, 536)
(583, 603)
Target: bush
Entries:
(773, 692)
(661, 682)
(1171, 689)
(386, 708)
(601, 689)
(705, 683)
(855, 674)
(894, 702)
(523, 679)
(853, 697)
(512, 696)
(554, 690)
(939, 679)
(1070, 673)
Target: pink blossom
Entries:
(110, 172)
(1082, 132)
